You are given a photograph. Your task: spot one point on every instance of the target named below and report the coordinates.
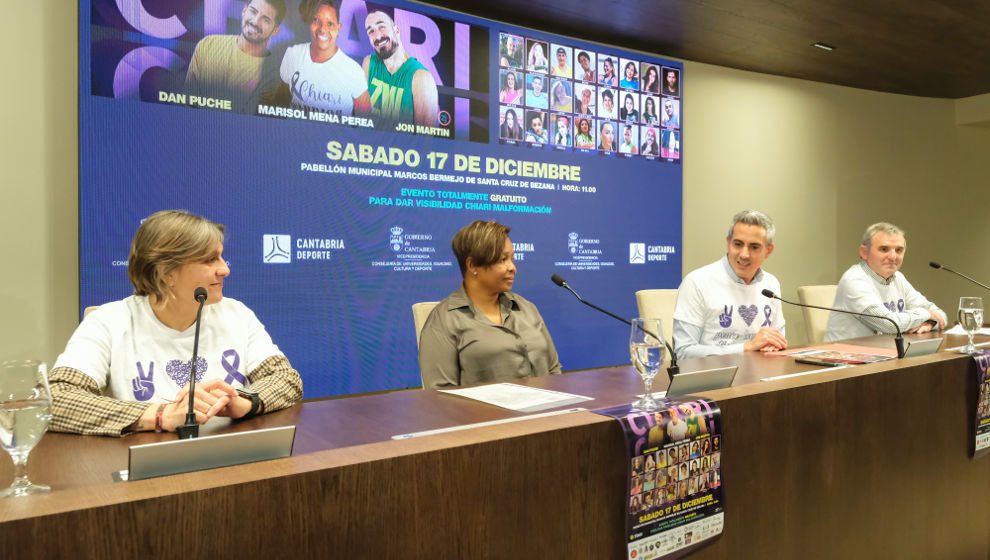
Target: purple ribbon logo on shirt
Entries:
(231, 367)
(144, 384)
(725, 318)
(900, 305)
(767, 310)
(748, 313)
(179, 370)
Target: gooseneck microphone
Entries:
(937, 266)
(672, 369)
(191, 428)
(898, 340)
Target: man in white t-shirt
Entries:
(875, 286)
(318, 74)
(720, 308)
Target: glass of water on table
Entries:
(25, 409)
(971, 319)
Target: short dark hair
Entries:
(308, 8)
(481, 241)
(584, 54)
(279, 6)
(608, 94)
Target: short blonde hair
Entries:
(165, 241)
(482, 241)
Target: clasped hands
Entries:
(926, 326)
(767, 339)
(212, 398)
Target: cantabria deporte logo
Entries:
(637, 253)
(277, 248)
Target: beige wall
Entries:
(824, 161)
(38, 152)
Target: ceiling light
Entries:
(823, 46)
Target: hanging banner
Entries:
(674, 493)
(982, 403)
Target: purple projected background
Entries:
(330, 248)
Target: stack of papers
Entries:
(518, 397)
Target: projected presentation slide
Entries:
(343, 144)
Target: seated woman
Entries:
(483, 331)
(127, 366)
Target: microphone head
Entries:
(769, 294)
(558, 280)
(200, 294)
(935, 265)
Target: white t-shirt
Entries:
(678, 431)
(728, 311)
(864, 291)
(122, 344)
(330, 86)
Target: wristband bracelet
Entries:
(158, 418)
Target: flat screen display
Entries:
(344, 145)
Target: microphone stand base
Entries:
(187, 431)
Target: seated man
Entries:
(720, 308)
(875, 286)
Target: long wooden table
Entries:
(865, 462)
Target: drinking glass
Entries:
(971, 319)
(25, 402)
(646, 348)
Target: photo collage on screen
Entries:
(675, 473)
(571, 98)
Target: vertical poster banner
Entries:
(982, 443)
(675, 499)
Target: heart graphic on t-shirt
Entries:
(179, 370)
(747, 313)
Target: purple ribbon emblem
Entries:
(231, 367)
(725, 318)
(144, 384)
(900, 305)
(767, 310)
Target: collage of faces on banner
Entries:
(675, 473)
(983, 401)
(573, 99)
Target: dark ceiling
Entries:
(929, 48)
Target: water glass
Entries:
(646, 349)
(971, 319)
(25, 405)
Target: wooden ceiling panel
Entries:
(930, 48)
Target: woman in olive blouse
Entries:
(484, 332)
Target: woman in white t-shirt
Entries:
(127, 366)
(318, 74)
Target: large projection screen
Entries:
(338, 217)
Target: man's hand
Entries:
(767, 339)
(938, 319)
